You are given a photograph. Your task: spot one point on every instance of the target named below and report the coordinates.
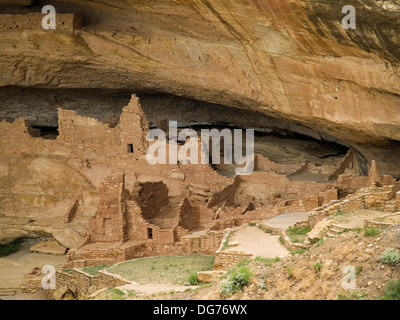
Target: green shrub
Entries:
(193, 279)
(9, 248)
(371, 232)
(391, 257)
(358, 270)
(320, 242)
(237, 279)
(281, 240)
(317, 266)
(353, 295)
(392, 291)
(290, 271)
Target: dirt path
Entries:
(252, 240)
(15, 266)
(153, 288)
(284, 221)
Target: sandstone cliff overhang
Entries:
(288, 59)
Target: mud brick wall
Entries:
(163, 236)
(136, 251)
(377, 197)
(83, 281)
(136, 225)
(66, 23)
(205, 215)
(203, 242)
(108, 280)
(225, 260)
(225, 196)
(109, 223)
(151, 197)
(346, 162)
(305, 188)
(329, 195)
(350, 183)
(189, 216)
(88, 138)
(222, 224)
(262, 163)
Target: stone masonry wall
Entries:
(225, 260)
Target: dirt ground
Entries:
(356, 219)
(15, 266)
(257, 242)
(295, 277)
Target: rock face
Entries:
(319, 230)
(49, 247)
(290, 60)
(209, 276)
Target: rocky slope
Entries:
(291, 60)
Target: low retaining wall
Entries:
(84, 281)
(373, 223)
(225, 260)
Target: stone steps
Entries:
(335, 230)
(8, 291)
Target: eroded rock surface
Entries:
(287, 59)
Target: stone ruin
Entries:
(92, 189)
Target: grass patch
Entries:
(290, 271)
(359, 269)
(268, 261)
(264, 229)
(371, 232)
(94, 270)
(193, 279)
(295, 231)
(69, 271)
(392, 291)
(116, 294)
(339, 213)
(281, 240)
(320, 242)
(317, 266)
(299, 251)
(227, 239)
(353, 295)
(169, 270)
(7, 249)
(297, 235)
(238, 277)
